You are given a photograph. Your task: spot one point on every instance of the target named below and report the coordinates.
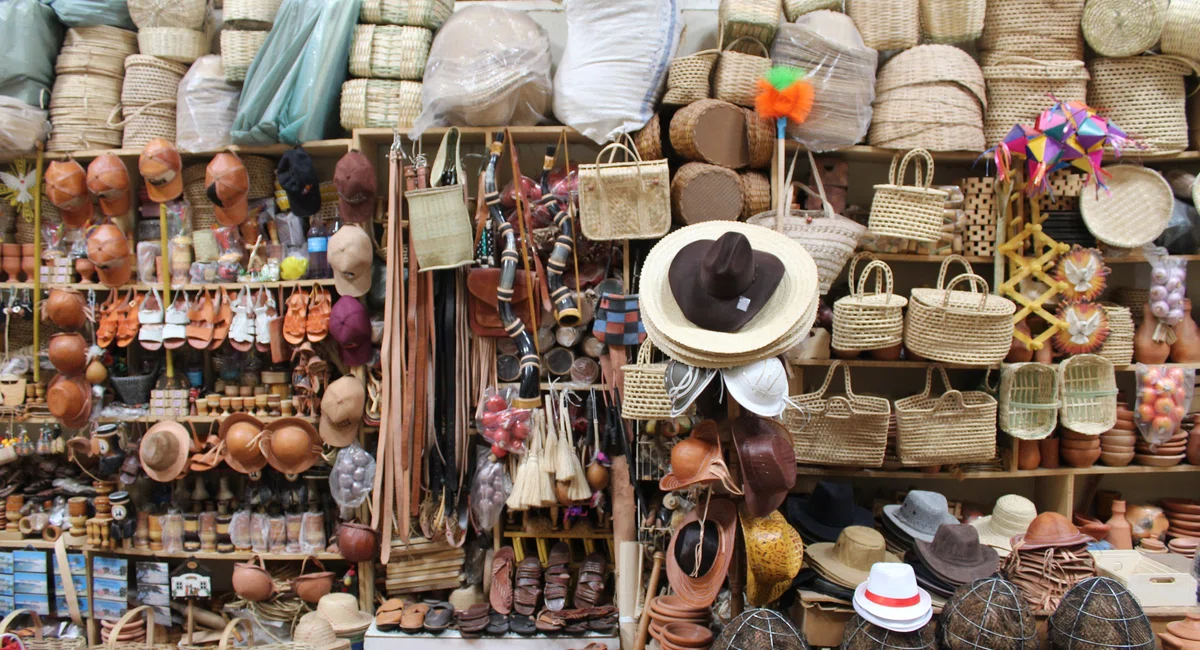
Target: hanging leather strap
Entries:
(64, 571)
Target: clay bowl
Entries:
(1187, 519)
(1081, 445)
(1161, 451)
(1158, 461)
(1116, 458)
(1115, 448)
(663, 619)
(1185, 526)
(1177, 532)
(1080, 457)
(674, 606)
(687, 635)
(1124, 426)
(1184, 545)
(1067, 434)
(1181, 506)
(1118, 438)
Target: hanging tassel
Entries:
(544, 495)
(551, 450)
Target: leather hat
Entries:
(956, 556)
(822, 515)
(240, 432)
(164, 451)
(109, 252)
(342, 411)
(66, 187)
(292, 445)
(699, 554)
(108, 179)
(67, 309)
(355, 180)
(721, 284)
(1047, 530)
(848, 561)
(697, 460)
(226, 183)
(920, 514)
(350, 256)
(70, 400)
(768, 460)
(774, 555)
(162, 168)
(68, 353)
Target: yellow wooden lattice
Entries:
(1030, 253)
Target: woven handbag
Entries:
(689, 78)
(738, 74)
(966, 327)
(624, 200)
(910, 211)
(954, 427)
(869, 321)
(844, 431)
(439, 224)
(39, 641)
(952, 21)
(1089, 394)
(887, 24)
(645, 395)
(1028, 400)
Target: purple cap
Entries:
(350, 326)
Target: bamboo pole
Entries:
(165, 278)
(37, 266)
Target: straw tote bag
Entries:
(954, 326)
(909, 211)
(954, 427)
(439, 225)
(624, 200)
(645, 396)
(738, 73)
(844, 431)
(869, 321)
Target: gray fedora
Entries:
(920, 514)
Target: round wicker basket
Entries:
(1044, 29)
(389, 52)
(144, 123)
(262, 176)
(184, 14)
(173, 43)
(430, 14)
(150, 79)
(251, 14)
(1146, 96)
(1122, 27)
(1180, 29)
(1018, 89)
(238, 49)
(380, 103)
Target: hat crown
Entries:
(315, 629)
(923, 511)
(1013, 513)
(66, 184)
(894, 580)
(766, 379)
(1050, 527)
(957, 544)
(766, 448)
(291, 444)
(832, 504)
(859, 547)
(728, 266)
(240, 441)
(159, 450)
(338, 607)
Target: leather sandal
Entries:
(319, 308)
(222, 319)
(522, 625)
(200, 331)
(106, 325)
(126, 315)
(150, 320)
(413, 618)
(547, 623)
(439, 617)
(501, 596)
(174, 333)
(295, 318)
(497, 624)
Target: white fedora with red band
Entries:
(891, 599)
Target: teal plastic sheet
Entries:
(87, 13)
(32, 36)
(293, 87)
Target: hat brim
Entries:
(355, 288)
(897, 619)
(709, 311)
(233, 214)
(700, 592)
(116, 207)
(223, 430)
(685, 399)
(176, 467)
(357, 212)
(820, 556)
(168, 192)
(361, 622)
(890, 511)
(957, 574)
(1018, 542)
(336, 436)
(116, 275)
(707, 358)
(802, 516)
(299, 466)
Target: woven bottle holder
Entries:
(738, 74)
(954, 427)
(390, 51)
(645, 396)
(965, 327)
(843, 430)
(689, 78)
(1089, 394)
(869, 321)
(909, 211)
(886, 24)
(1028, 400)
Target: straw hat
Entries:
(316, 630)
(292, 445)
(164, 451)
(1010, 517)
(848, 561)
(774, 555)
(341, 610)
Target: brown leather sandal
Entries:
(200, 330)
(127, 320)
(319, 308)
(107, 324)
(295, 318)
(222, 319)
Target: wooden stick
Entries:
(651, 592)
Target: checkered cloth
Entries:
(619, 320)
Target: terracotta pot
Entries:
(1080, 457)
(1079, 445)
(888, 354)
(1019, 352)
(12, 267)
(11, 250)
(358, 543)
(1193, 446)
(29, 265)
(28, 250)
(309, 587)
(1049, 450)
(1029, 455)
(252, 581)
(1145, 348)
(1186, 348)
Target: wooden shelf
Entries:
(212, 555)
(1133, 366)
(875, 363)
(913, 474)
(18, 544)
(1141, 259)
(233, 286)
(194, 419)
(316, 148)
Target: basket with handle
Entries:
(689, 78)
(39, 641)
(1088, 385)
(645, 396)
(624, 200)
(863, 321)
(147, 612)
(1028, 400)
(843, 431)
(910, 211)
(440, 227)
(952, 21)
(738, 73)
(227, 638)
(954, 427)
(757, 19)
(954, 326)
(887, 24)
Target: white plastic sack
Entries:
(205, 107)
(615, 63)
(22, 126)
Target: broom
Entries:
(578, 490)
(544, 495)
(783, 94)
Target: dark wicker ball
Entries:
(988, 614)
(861, 635)
(1100, 614)
(760, 629)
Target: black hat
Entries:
(299, 179)
(825, 512)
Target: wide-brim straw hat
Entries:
(343, 614)
(316, 630)
(1010, 517)
(278, 439)
(715, 360)
(175, 440)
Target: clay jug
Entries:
(1028, 455)
(1045, 354)
(1186, 348)
(1019, 352)
(1145, 348)
(1048, 448)
(1120, 533)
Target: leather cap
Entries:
(108, 179)
(1047, 530)
(164, 451)
(66, 187)
(350, 255)
(697, 583)
(354, 178)
(768, 460)
(342, 411)
(242, 449)
(292, 445)
(162, 169)
(68, 353)
(70, 400)
(66, 309)
(227, 182)
(109, 252)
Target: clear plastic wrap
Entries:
(172, 532)
(1164, 394)
(351, 479)
(488, 66)
(1168, 287)
(841, 69)
(505, 428)
(22, 126)
(312, 533)
(489, 490)
(1181, 236)
(205, 106)
(148, 253)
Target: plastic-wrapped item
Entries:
(277, 537)
(86, 13)
(1181, 236)
(488, 66)
(505, 428)
(205, 106)
(148, 253)
(172, 532)
(1168, 284)
(489, 490)
(842, 71)
(259, 539)
(233, 251)
(32, 37)
(312, 533)
(351, 479)
(1164, 394)
(22, 126)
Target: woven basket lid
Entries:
(1132, 190)
(1122, 27)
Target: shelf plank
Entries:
(232, 286)
(211, 555)
(913, 474)
(315, 148)
(876, 363)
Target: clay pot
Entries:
(11, 250)
(1029, 455)
(1193, 446)
(846, 354)
(252, 581)
(1186, 348)
(29, 265)
(86, 270)
(358, 543)
(68, 353)
(1145, 348)
(888, 354)
(1079, 457)
(1019, 352)
(12, 267)
(65, 307)
(309, 587)
(1049, 451)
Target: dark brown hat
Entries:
(721, 284)
(956, 556)
(764, 449)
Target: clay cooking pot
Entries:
(251, 581)
(358, 543)
(309, 587)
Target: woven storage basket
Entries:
(185, 14)
(624, 200)
(1089, 394)
(869, 321)
(648, 140)
(887, 24)
(389, 52)
(1020, 88)
(93, 92)
(828, 237)
(757, 19)
(144, 123)
(430, 14)
(380, 103)
(250, 14)
(1180, 29)
(1122, 27)
(793, 9)
(1046, 29)
(953, 326)
(689, 78)
(738, 74)
(1132, 189)
(760, 140)
(1118, 346)
(930, 64)
(910, 211)
(262, 176)
(91, 60)
(939, 116)
(703, 192)
(1145, 96)
(1028, 400)
(173, 43)
(692, 133)
(844, 431)
(238, 49)
(440, 227)
(645, 396)
(954, 427)
(149, 79)
(756, 193)
(39, 641)
(952, 21)
(103, 36)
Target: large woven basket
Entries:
(150, 79)
(793, 9)
(760, 139)
(757, 19)
(80, 106)
(389, 52)
(1089, 394)
(227, 638)
(938, 116)
(649, 139)
(703, 192)
(1028, 400)
(39, 641)
(1045, 29)
(689, 78)
(843, 431)
(756, 193)
(966, 327)
(1122, 27)
(144, 123)
(380, 103)
(887, 24)
(1020, 88)
(238, 49)
(932, 64)
(173, 43)
(1180, 29)
(1145, 96)
(954, 427)
(440, 227)
(910, 211)
(250, 14)
(262, 176)
(1118, 346)
(430, 14)
(738, 74)
(149, 643)
(645, 396)
(185, 14)
(869, 321)
(952, 21)
(691, 138)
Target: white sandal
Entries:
(150, 316)
(264, 311)
(175, 331)
(241, 331)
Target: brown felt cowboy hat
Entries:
(240, 433)
(768, 460)
(700, 552)
(164, 451)
(721, 284)
(956, 556)
(292, 445)
(697, 460)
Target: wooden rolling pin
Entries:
(651, 591)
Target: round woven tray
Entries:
(238, 49)
(380, 103)
(251, 14)
(389, 52)
(1122, 27)
(1133, 190)
(184, 14)
(150, 79)
(173, 43)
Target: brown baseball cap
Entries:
(66, 187)
(350, 253)
(162, 168)
(227, 182)
(108, 179)
(342, 411)
(109, 252)
(354, 178)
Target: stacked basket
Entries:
(387, 57)
(243, 34)
(90, 69)
(929, 97)
(1146, 96)
(172, 29)
(148, 99)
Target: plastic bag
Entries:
(312, 533)
(841, 69)
(205, 107)
(505, 428)
(22, 126)
(614, 67)
(489, 490)
(1164, 394)
(172, 532)
(351, 478)
(32, 37)
(1168, 284)
(1181, 236)
(488, 67)
(259, 540)
(86, 13)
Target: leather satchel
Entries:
(482, 284)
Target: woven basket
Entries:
(645, 396)
(149, 79)
(952, 326)
(238, 49)
(869, 321)
(689, 78)
(828, 237)
(89, 91)
(939, 116)
(910, 211)
(144, 123)
(738, 74)
(1133, 189)
(624, 200)
(760, 140)
(439, 227)
(430, 14)
(703, 192)
(250, 14)
(1145, 96)
(39, 641)
(1089, 394)
(1122, 27)
(1118, 346)
(757, 19)
(1020, 88)
(887, 24)
(1045, 29)
(173, 43)
(1028, 400)
(91, 60)
(930, 64)
(184, 14)
(380, 103)
(692, 120)
(954, 427)
(389, 52)
(844, 431)
(648, 140)
(756, 193)
(1132, 299)
(262, 176)
(793, 9)
(952, 21)
(1180, 29)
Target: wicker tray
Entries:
(1132, 190)
(1089, 394)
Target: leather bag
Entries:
(482, 284)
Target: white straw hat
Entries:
(1010, 517)
(341, 610)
